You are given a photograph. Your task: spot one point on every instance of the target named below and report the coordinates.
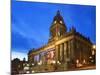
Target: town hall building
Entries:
(63, 49)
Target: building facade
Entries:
(64, 47)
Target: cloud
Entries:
(21, 43)
(30, 29)
(24, 36)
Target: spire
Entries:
(73, 29)
(58, 27)
(58, 12)
(58, 17)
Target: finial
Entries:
(73, 29)
(58, 12)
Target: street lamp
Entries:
(58, 62)
(33, 71)
(77, 61)
(84, 61)
(90, 57)
(93, 49)
(94, 46)
(32, 64)
(40, 63)
(53, 62)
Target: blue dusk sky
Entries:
(30, 22)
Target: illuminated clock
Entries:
(55, 22)
(61, 22)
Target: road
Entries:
(87, 67)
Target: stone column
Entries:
(56, 53)
(61, 55)
(72, 49)
(65, 52)
(39, 56)
(69, 49)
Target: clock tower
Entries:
(58, 27)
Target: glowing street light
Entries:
(84, 61)
(94, 46)
(33, 71)
(90, 57)
(32, 64)
(40, 63)
(78, 64)
(93, 49)
(53, 62)
(77, 61)
(58, 62)
(27, 72)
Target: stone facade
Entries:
(63, 47)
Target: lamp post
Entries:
(93, 54)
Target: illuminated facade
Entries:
(64, 48)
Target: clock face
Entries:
(54, 22)
(61, 22)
